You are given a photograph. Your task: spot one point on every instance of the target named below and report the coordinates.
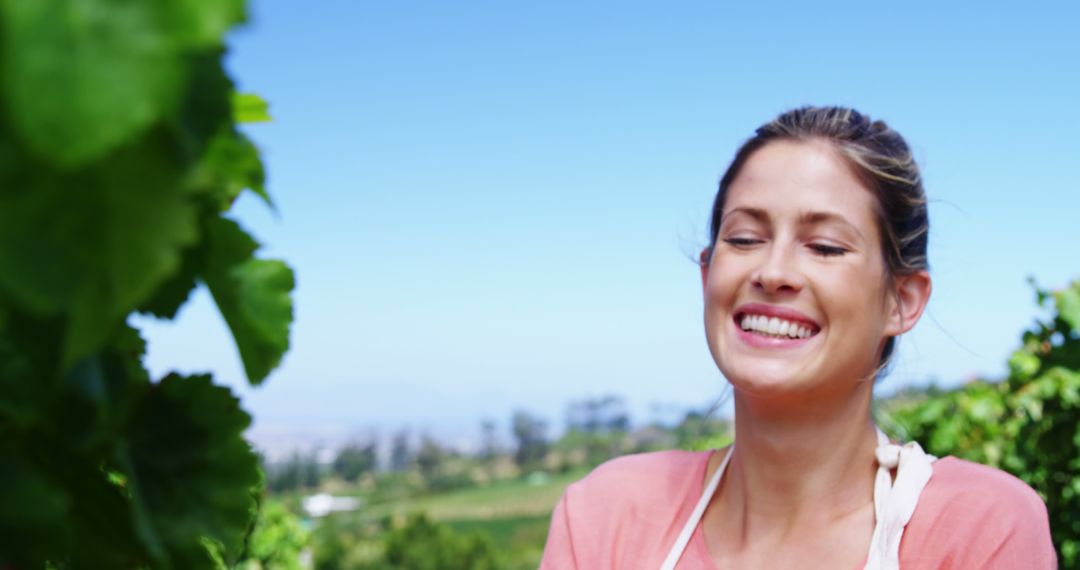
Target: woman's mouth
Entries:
(775, 327)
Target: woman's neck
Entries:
(808, 464)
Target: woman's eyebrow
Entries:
(755, 213)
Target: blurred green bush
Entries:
(1027, 424)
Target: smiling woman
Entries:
(816, 264)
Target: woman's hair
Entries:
(878, 156)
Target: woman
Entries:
(816, 263)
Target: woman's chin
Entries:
(768, 380)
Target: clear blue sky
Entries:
(492, 205)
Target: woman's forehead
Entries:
(805, 181)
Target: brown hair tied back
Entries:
(878, 156)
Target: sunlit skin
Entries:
(799, 233)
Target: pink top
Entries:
(627, 513)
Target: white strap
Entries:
(688, 529)
(894, 502)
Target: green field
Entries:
(513, 514)
(501, 500)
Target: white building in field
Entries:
(323, 504)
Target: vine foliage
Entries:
(1028, 424)
(119, 160)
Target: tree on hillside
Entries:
(300, 471)
(530, 434)
(596, 429)
(699, 430)
(489, 440)
(603, 415)
(400, 451)
(429, 457)
(354, 460)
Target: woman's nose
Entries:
(778, 271)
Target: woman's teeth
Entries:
(774, 327)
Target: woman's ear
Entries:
(910, 295)
(703, 263)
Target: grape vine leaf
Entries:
(190, 472)
(98, 391)
(230, 165)
(34, 507)
(59, 505)
(1068, 305)
(201, 23)
(252, 295)
(20, 406)
(119, 234)
(173, 292)
(250, 108)
(206, 108)
(81, 77)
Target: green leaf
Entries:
(28, 354)
(63, 436)
(81, 77)
(190, 472)
(21, 400)
(97, 392)
(92, 244)
(172, 293)
(1023, 364)
(83, 404)
(206, 108)
(32, 520)
(59, 504)
(230, 165)
(1040, 293)
(214, 551)
(1068, 305)
(250, 108)
(277, 539)
(252, 295)
(201, 23)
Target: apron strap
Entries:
(695, 516)
(895, 501)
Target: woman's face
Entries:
(796, 296)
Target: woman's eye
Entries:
(741, 241)
(827, 250)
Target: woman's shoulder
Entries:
(651, 485)
(962, 484)
(625, 512)
(974, 516)
(656, 476)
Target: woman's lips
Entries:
(761, 341)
